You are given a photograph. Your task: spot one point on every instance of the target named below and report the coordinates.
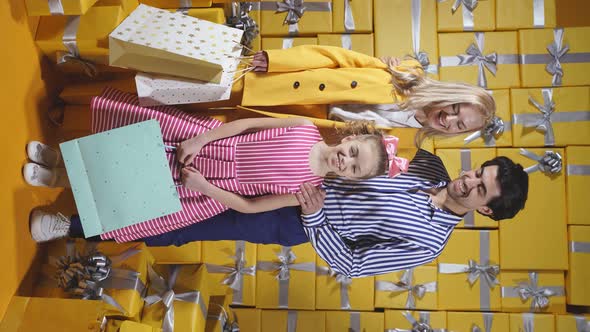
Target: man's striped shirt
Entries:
(380, 225)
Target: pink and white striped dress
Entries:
(272, 161)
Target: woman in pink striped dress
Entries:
(218, 164)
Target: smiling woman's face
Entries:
(456, 119)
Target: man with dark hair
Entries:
(360, 228)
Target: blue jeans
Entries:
(282, 226)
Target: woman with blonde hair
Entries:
(389, 91)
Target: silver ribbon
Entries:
(346, 41)
(469, 218)
(578, 169)
(490, 132)
(185, 3)
(355, 322)
(225, 323)
(487, 273)
(421, 57)
(348, 18)
(422, 325)
(88, 276)
(73, 53)
(488, 319)
(539, 13)
(528, 323)
(539, 296)
(543, 122)
(405, 285)
(55, 7)
(582, 324)
(235, 273)
(468, 8)
(474, 57)
(165, 294)
(555, 56)
(343, 282)
(550, 163)
(283, 267)
(291, 321)
(287, 43)
(580, 247)
(295, 10)
(240, 19)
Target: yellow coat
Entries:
(312, 74)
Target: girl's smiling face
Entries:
(355, 157)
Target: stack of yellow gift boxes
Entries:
(529, 274)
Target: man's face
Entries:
(474, 189)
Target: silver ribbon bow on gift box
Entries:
(164, 292)
(468, 8)
(419, 55)
(490, 132)
(240, 19)
(235, 273)
(557, 51)
(422, 325)
(530, 290)
(474, 55)
(226, 323)
(405, 284)
(550, 163)
(73, 54)
(294, 9)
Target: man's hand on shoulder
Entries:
(310, 198)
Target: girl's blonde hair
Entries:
(427, 94)
(366, 130)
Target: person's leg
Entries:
(282, 226)
(76, 230)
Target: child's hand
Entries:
(391, 61)
(188, 150)
(192, 179)
(310, 198)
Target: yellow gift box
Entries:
(26, 314)
(402, 319)
(189, 253)
(91, 32)
(286, 42)
(397, 16)
(82, 93)
(472, 57)
(455, 16)
(232, 262)
(277, 19)
(338, 321)
(578, 275)
(514, 15)
(285, 277)
(219, 314)
(532, 322)
(571, 323)
(191, 288)
(177, 3)
(551, 117)
(60, 7)
(337, 292)
(459, 160)
(362, 43)
(215, 15)
(460, 285)
(502, 98)
(127, 5)
(128, 326)
(130, 256)
(352, 16)
(410, 289)
(248, 319)
(537, 237)
(469, 321)
(577, 184)
(279, 320)
(533, 291)
(535, 57)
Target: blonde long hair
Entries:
(429, 95)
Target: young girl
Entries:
(218, 164)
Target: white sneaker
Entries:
(40, 176)
(45, 226)
(43, 154)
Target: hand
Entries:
(260, 61)
(192, 179)
(310, 198)
(391, 61)
(188, 150)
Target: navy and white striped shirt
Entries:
(380, 225)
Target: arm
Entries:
(191, 147)
(193, 180)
